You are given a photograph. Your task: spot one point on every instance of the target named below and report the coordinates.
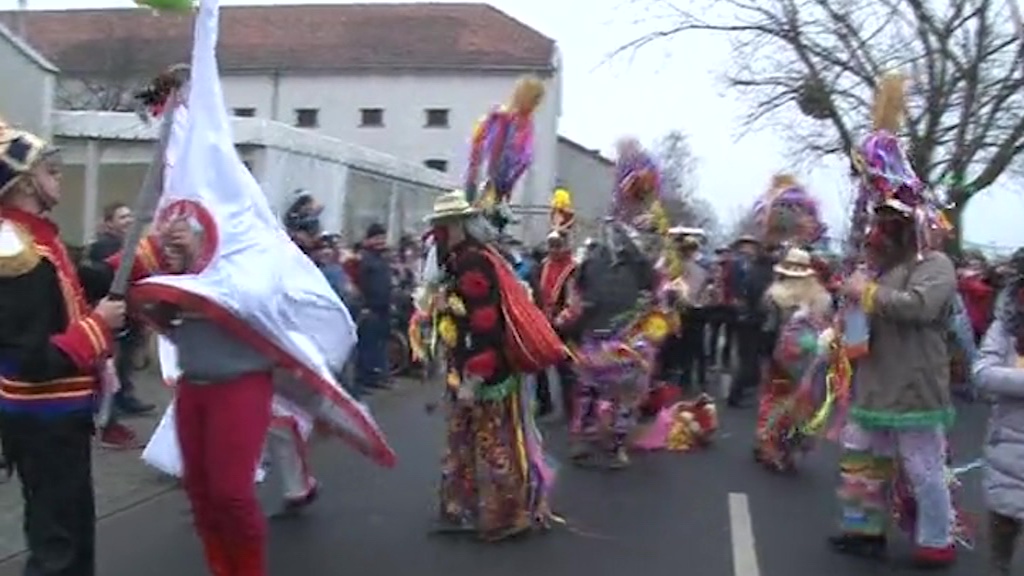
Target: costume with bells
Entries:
(495, 478)
(901, 401)
(51, 350)
(502, 150)
(798, 308)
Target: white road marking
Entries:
(744, 548)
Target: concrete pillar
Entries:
(394, 215)
(91, 195)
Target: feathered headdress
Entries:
(19, 152)
(886, 175)
(563, 217)
(787, 213)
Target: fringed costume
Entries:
(901, 402)
(501, 151)
(798, 308)
(495, 478)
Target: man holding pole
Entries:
(51, 346)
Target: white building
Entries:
(106, 155)
(410, 80)
(590, 177)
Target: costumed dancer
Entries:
(798, 309)
(226, 314)
(495, 478)
(999, 372)
(621, 328)
(51, 348)
(788, 215)
(501, 150)
(559, 298)
(900, 397)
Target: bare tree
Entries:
(822, 58)
(679, 166)
(102, 74)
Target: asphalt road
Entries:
(711, 513)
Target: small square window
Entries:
(371, 117)
(436, 164)
(437, 117)
(245, 112)
(307, 117)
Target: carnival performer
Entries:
(233, 327)
(901, 399)
(51, 347)
(798, 308)
(501, 151)
(559, 298)
(999, 373)
(495, 478)
(636, 198)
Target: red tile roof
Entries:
(294, 38)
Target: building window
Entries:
(245, 112)
(307, 117)
(437, 117)
(371, 117)
(436, 164)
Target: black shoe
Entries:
(860, 545)
(132, 406)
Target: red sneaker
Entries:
(928, 557)
(117, 436)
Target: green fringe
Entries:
(903, 420)
(498, 392)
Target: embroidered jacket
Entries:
(50, 342)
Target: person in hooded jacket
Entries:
(999, 373)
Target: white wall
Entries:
(404, 99)
(26, 93)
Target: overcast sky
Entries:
(673, 85)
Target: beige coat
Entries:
(904, 380)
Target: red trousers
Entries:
(222, 427)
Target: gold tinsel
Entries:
(890, 102)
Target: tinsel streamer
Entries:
(838, 381)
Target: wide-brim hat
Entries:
(451, 206)
(19, 152)
(796, 264)
(746, 239)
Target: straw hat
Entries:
(745, 239)
(796, 264)
(450, 206)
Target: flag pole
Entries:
(145, 207)
(145, 204)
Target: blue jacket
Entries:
(374, 282)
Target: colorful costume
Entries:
(502, 149)
(495, 478)
(798, 309)
(901, 402)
